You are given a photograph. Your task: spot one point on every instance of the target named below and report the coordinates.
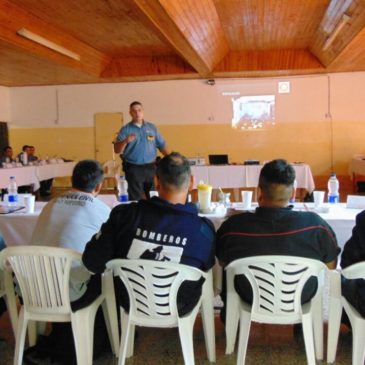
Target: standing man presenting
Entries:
(137, 143)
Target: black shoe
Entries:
(32, 356)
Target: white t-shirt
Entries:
(70, 221)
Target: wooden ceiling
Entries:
(134, 40)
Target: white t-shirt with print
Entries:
(69, 221)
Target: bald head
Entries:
(276, 183)
(173, 172)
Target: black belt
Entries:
(128, 164)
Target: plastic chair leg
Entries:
(32, 333)
(125, 329)
(82, 323)
(207, 312)
(358, 342)
(110, 312)
(317, 324)
(334, 323)
(232, 318)
(307, 323)
(186, 339)
(20, 338)
(130, 347)
(245, 325)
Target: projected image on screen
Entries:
(253, 112)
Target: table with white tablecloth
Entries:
(33, 175)
(242, 176)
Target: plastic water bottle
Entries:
(24, 158)
(12, 192)
(333, 189)
(123, 189)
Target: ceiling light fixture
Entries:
(47, 43)
(343, 21)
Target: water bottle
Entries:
(12, 192)
(333, 189)
(24, 158)
(122, 190)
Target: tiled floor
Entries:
(268, 345)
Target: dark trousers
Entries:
(354, 292)
(140, 180)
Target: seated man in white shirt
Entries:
(69, 221)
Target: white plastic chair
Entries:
(337, 302)
(152, 287)
(43, 276)
(277, 283)
(111, 172)
(7, 291)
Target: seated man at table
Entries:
(354, 252)
(69, 221)
(275, 229)
(7, 155)
(163, 228)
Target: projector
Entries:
(196, 161)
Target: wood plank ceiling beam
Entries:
(13, 18)
(138, 68)
(290, 61)
(191, 27)
(355, 9)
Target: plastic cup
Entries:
(318, 197)
(29, 202)
(246, 199)
(204, 196)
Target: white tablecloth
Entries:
(18, 227)
(237, 176)
(341, 219)
(28, 175)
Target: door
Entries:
(107, 126)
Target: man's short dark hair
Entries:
(173, 171)
(275, 173)
(25, 147)
(134, 103)
(6, 148)
(87, 174)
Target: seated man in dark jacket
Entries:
(163, 228)
(354, 252)
(275, 229)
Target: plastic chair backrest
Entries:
(152, 287)
(277, 283)
(355, 271)
(43, 276)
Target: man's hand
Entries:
(119, 146)
(131, 138)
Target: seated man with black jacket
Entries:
(163, 228)
(276, 229)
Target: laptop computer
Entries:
(218, 159)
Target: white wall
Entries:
(185, 101)
(4, 104)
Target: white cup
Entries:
(318, 197)
(29, 202)
(246, 199)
